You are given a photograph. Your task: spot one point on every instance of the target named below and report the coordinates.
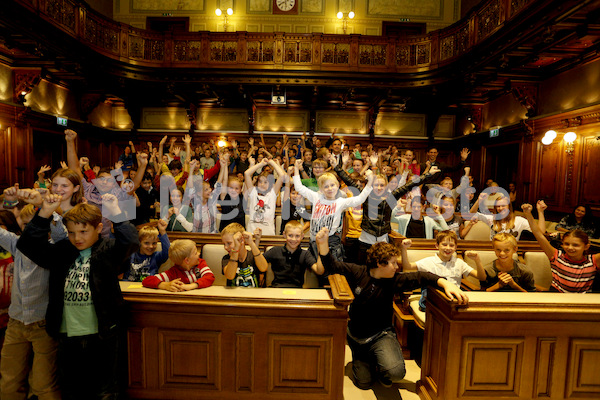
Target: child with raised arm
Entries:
(85, 302)
(572, 269)
(240, 266)
(292, 204)
(25, 334)
(290, 262)
(504, 219)
(377, 208)
(328, 208)
(231, 199)
(262, 199)
(376, 353)
(147, 261)
(444, 263)
(189, 272)
(506, 274)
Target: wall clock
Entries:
(285, 6)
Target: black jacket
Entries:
(107, 261)
(377, 221)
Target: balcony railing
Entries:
(277, 50)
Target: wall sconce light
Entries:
(345, 18)
(569, 139)
(227, 13)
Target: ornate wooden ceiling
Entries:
(500, 47)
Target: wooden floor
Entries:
(405, 390)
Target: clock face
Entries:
(285, 5)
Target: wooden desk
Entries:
(235, 343)
(512, 345)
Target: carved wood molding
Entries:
(24, 82)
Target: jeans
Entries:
(16, 362)
(89, 367)
(335, 248)
(379, 359)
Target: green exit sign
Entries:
(495, 132)
(61, 121)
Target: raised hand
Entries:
(299, 164)
(10, 194)
(131, 143)
(238, 241)
(176, 151)
(373, 158)
(70, 135)
(83, 161)
(346, 157)
(526, 207)
(434, 170)
(30, 196)
(187, 139)
(162, 226)
(163, 140)
(541, 205)
(119, 164)
(50, 204)
(142, 158)
(251, 141)
(45, 168)
(322, 237)
(111, 203)
(472, 254)
(194, 164)
(406, 243)
(464, 153)
(63, 165)
(258, 234)
(332, 160)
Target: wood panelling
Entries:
(244, 362)
(300, 363)
(583, 379)
(212, 345)
(545, 366)
(550, 182)
(503, 378)
(590, 194)
(189, 359)
(509, 345)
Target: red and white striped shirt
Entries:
(200, 274)
(572, 276)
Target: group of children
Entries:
(66, 303)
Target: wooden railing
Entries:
(279, 51)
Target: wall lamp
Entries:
(226, 13)
(345, 18)
(569, 139)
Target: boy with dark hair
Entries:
(85, 301)
(376, 353)
(289, 262)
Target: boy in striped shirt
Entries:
(189, 272)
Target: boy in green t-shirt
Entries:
(85, 303)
